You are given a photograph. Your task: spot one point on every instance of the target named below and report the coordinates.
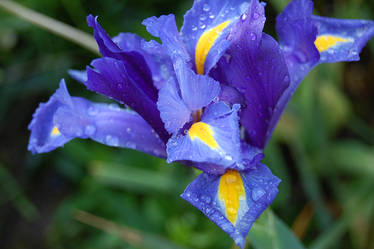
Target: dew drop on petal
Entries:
(257, 193)
(252, 36)
(203, 26)
(206, 7)
(90, 130)
(111, 140)
(256, 15)
(92, 111)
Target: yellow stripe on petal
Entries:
(230, 191)
(55, 131)
(203, 132)
(205, 43)
(324, 42)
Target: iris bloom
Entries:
(208, 96)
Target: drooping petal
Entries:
(261, 75)
(114, 79)
(341, 40)
(166, 29)
(215, 139)
(234, 200)
(64, 118)
(154, 54)
(207, 26)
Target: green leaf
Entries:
(269, 232)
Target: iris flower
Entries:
(207, 96)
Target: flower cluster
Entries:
(207, 96)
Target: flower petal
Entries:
(166, 29)
(154, 54)
(234, 200)
(206, 28)
(341, 40)
(260, 73)
(64, 118)
(114, 79)
(215, 139)
(78, 75)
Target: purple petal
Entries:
(207, 15)
(218, 143)
(166, 29)
(64, 118)
(260, 187)
(197, 91)
(261, 75)
(174, 112)
(114, 79)
(78, 75)
(154, 54)
(351, 36)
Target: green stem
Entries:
(61, 29)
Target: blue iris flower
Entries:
(208, 96)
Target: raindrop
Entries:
(253, 36)
(203, 17)
(203, 26)
(206, 199)
(128, 129)
(206, 7)
(90, 130)
(257, 193)
(194, 28)
(211, 16)
(92, 111)
(256, 15)
(111, 140)
(244, 16)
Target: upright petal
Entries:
(215, 139)
(64, 118)
(260, 73)
(179, 99)
(206, 28)
(234, 200)
(114, 79)
(154, 54)
(166, 29)
(341, 40)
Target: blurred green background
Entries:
(87, 195)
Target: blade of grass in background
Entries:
(70, 33)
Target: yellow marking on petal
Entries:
(324, 42)
(230, 191)
(205, 43)
(203, 132)
(55, 131)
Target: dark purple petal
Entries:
(64, 118)
(260, 186)
(261, 75)
(154, 54)
(112, 78)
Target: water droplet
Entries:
(228, 158)
(92, 111)
(90, 130)
(203, 17)
(216, 99)
(253, 36)
(206, 199)
(111, 140)
(119, 86)
(257, 193)
(206, 7)
(114, 107)
(128, 129)
(256, 15)
(244, 16)
(194, 28)
(211, 16)
(203, 26)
